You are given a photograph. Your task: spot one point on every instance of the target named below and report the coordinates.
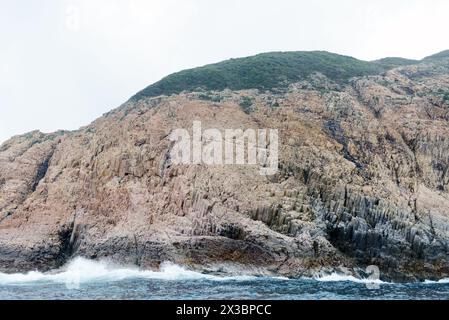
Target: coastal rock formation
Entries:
(363, 180)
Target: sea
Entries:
(83, 279)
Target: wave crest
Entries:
(81, 270)
(335, 277)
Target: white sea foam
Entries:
(335, 277)
(81, 270)
(442, 281)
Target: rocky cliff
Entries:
(363, 175)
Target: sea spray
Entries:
(335, 277)
(86, 279)
(81, 270)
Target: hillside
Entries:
(393, 62)
(362, 180)
(274, 71)
(438, 56)
(264, 72)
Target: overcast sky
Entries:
(63, 63)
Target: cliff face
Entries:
(363, 180)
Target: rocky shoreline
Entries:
(362, 181)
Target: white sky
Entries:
(63, 63)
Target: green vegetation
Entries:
(247, 104)
(443, 94)
(440, 55)
(209, 97)
(393, 62)
(446, 97)
(265, 72)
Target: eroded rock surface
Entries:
(363, 180)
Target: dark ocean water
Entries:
(84, 279)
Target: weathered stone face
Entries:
(362, 180)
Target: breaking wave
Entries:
(335, 277)
(82, 270)
(442, 281)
